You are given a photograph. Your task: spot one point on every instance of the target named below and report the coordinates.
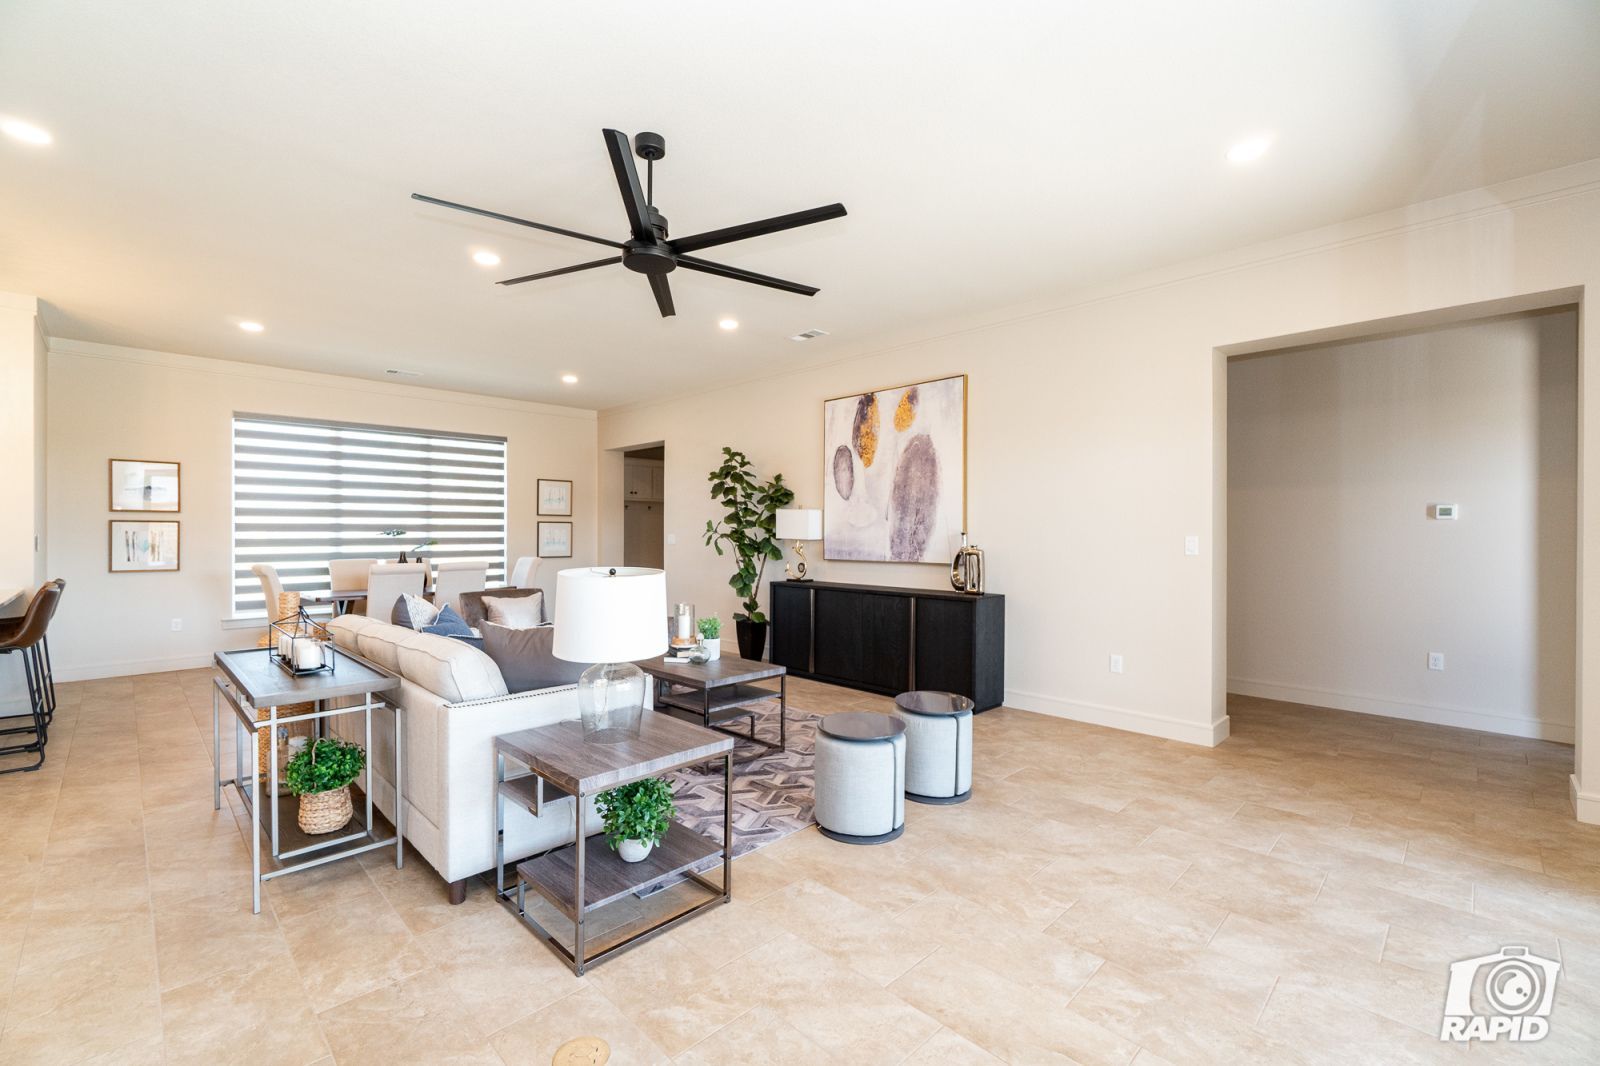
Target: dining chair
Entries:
(456, 576)
(348, 575)
(522, 573)
(387, 582)
(27, 636)
(271, 587)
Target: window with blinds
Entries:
(307, 492)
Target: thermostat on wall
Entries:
(1445, 512)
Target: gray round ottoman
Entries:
(938, 745)
(861, 777)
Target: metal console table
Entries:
(248, 680)
(579, 879)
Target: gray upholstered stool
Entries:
(861, 777)
(938, 745)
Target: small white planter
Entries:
(634, 850)
(713, 649)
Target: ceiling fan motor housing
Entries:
(651, 146)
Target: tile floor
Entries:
(1293, 896)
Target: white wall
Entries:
(1339, 583)
(22, 443)
(107, 401)
(1095, 437)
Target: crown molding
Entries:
(229, 368)
(1577, 179)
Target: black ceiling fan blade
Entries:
(633, 198)
(663, 291)
(705, 267)
(514, 220)
(563, 270)
(697, 241)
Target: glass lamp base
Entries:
(611, 702)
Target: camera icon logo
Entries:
(1516, 988)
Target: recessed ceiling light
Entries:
(251, 327)
(1250, 149)
(569, 379)
(488, 259)
(26, 132)
(729, 323)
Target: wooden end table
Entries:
(248, 680)
(580, 878)
(720, 691)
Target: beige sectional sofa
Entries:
(455, 703)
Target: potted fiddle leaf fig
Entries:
(636, 817)
(321, 775)
(749, 530)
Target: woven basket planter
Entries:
(324, 812)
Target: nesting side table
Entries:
(938, 745)
(861, 777)
(247, 680)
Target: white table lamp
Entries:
(799, 525)
(610, 616)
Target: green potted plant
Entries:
(430, 542)
(636, 816)
(321, 775)
(711, 637)
(748, 529)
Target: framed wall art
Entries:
(555, 540)
(145, 485)
(141, 547)
(895, 473)
(555, 497)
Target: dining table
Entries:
(342, 602)
(12, 602)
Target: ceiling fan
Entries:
(648, 249)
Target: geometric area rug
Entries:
(772, 790)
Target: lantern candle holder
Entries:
(300, 645)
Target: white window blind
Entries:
(306, 492)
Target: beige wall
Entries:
(1095, 441)
(107, 401)
(22, 442)
(1339, 582)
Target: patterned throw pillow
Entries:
(418, 611)
(448, 624)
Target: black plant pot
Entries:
(752, 639)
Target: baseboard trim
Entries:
(125, 667)
(1460, 717)
(1208, 734)
(1585, 805)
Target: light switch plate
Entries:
(1191, 545)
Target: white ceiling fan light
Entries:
(569, 379)
(1250, 149)
(728, 324)
(252, 327)
(26, 132)
(484, 257)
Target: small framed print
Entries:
(555, 540)
(143, 547)
(555, 497)
(145, 485)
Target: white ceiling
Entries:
(226, 161)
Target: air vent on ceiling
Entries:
(404, 373)
(809, 335)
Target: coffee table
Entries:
(720, 691)
(581, 878)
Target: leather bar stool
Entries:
(26, 637)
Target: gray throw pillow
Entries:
(524, 659)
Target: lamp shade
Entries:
(800, 523)
(610, 614)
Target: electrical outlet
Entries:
(1436, 660)
(1116, 664)
(672, 538)
(177, 625)
(1191, 545)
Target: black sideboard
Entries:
(892, 640)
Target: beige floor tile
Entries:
(949, 1048)
(346, 952)
(586, 1012)
(675, 996)
(254, 1013)
(971, 931)
(87, 1005)
(759, 1035)
(416, 1020)
(852, 934)
(200, 937)
(498, 969)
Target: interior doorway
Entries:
(1402, 515)
(644, 506)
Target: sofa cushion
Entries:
(519, 612)
(524, 659)
(472, 609)
(452, 670)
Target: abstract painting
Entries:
(895, 474)
(555, 540)
(142, 485)
(142, 547)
